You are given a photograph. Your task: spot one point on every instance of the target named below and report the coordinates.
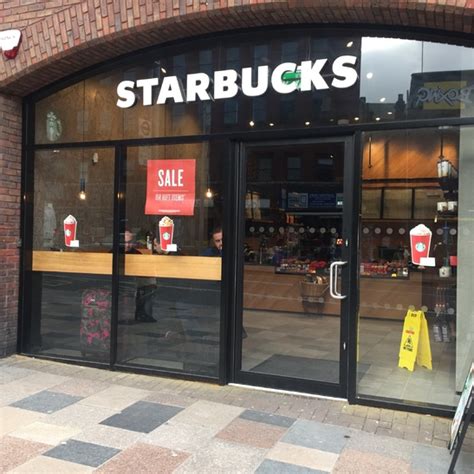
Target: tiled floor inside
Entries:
(313, 339)
(58, 418)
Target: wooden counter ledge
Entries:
(164, 266)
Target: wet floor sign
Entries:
(415, 343)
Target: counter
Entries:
(379, 298)
(163, 266)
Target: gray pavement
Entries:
(60, 418)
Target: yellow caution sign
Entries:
(415, 343)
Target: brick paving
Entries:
(63, 418)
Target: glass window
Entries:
(398, 79)
(169, 311)
(409, 79)
(421, 262)
(71, 279)
(294, 167)
(59, 118)
(265, 168)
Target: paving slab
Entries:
(46, 402)
(14, 418)
(78, 452)
(80, 416)
(221, 457)
(181, 436)
(353, 461)
(41, 381)
(315, 435)
(109, 436)
(209, 414)
(270, 419)
(145, 459)
(143, 417)
(47, 465)
(11, 374)
(432, 460)
(304, 457)
(15, 451)
(370, 443)
(276, 467)
(252, 433)
(80, 387)
(45, 433)
(115, 397)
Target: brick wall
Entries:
(64, 36)
(10, 185)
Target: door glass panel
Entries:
(71, 278)
(421, 260)
(293, 232)
(170, 282)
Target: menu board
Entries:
(297, 200)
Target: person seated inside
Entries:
(215, 250)
(129, 245)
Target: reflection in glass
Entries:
(71, 290)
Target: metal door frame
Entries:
(346, 386)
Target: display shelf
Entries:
(386, 277)
(291, 272)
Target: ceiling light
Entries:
(369, 75)
(349, 45)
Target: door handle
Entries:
(333, 272)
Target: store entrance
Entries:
(295, 272)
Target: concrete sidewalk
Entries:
(59, 418)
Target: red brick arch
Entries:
(69, 35)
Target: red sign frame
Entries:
(171, 187)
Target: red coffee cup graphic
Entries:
(166, 226)
(70, 228)
(420, 241)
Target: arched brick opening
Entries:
(84, 33)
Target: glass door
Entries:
(296, 223)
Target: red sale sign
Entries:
(170, 187)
